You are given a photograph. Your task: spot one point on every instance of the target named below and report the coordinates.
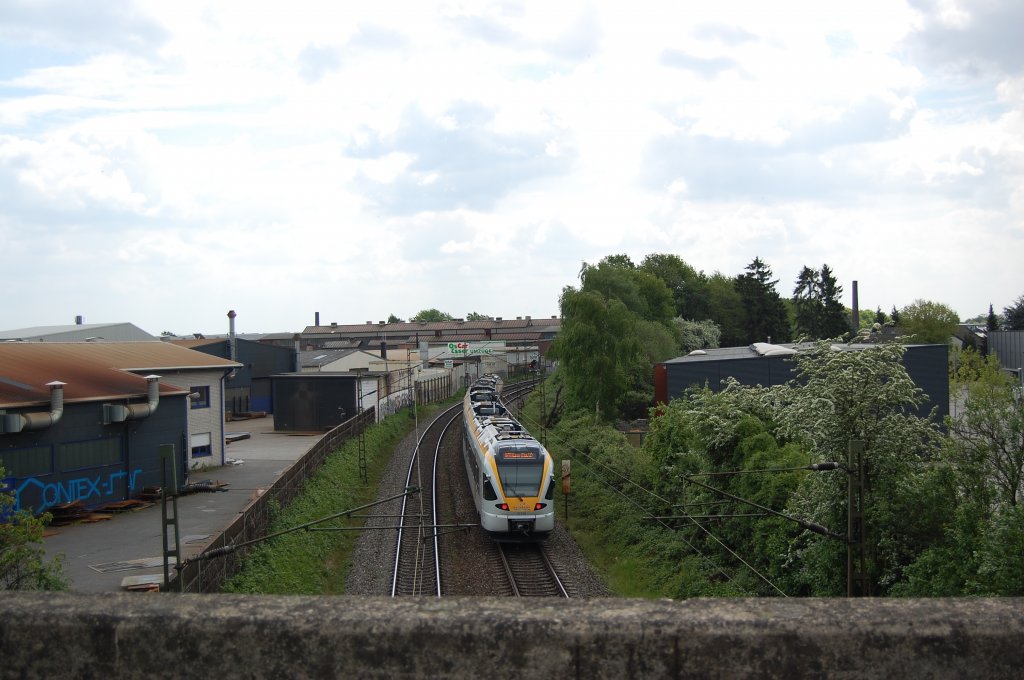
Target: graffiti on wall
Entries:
(41, 495)
(394, 402)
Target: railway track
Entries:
(417, 567)
(529, 571)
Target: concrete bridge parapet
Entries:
(50, 635)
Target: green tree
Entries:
(621, 261)
(23, 563)
(989, 428)
(880, 317)
(929, 322)
(895, 315)
(819, 313)
(864, 395)
(689, 287)
(981, 551)
(643, 293)
(1013, 315)
(429, 315)
(766, 314)
(727, 310)
(839, 395)
(991, 321)
(476, 316)
(865, 317)
(614, 328)
(697, 334)
(393, 319)
(595, 347)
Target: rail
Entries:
(530, 572)
(409, 576)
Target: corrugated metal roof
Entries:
(319, 357)
(91, 370)
(103, 332)
(412, 327)
(761, 350)
(516, 336)
(198, 342)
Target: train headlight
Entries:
(539, 506)
(502, 506)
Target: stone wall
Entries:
(45, 635)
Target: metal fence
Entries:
(207, 575)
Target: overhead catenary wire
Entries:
(810, 526)
(665, 502)
(226, 549)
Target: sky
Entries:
(164, 162)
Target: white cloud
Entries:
(367, 160)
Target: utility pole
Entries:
(169, 515)
(857, 582)
(359, 424)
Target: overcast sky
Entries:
(164, 162)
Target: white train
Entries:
(511, 475)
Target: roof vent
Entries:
(765, 349)
(118, 413)
(18, 422)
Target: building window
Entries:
(201, 445)
(81, 455)
(37, 460)
(203, 398)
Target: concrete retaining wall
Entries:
(218, 636)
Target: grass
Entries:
(317, 562)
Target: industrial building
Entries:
(78, 332)
(85, 421)
(512, 335)
(767, 365)
(247, 388)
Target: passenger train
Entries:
(511, 475)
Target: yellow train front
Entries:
(511, 475)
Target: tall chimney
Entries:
(856, 310)
(78, 320)
(316, 318)
(232, 349)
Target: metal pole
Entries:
(856, 562)
(169, 514)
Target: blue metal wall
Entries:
(138, 443)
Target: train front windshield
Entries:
(521, 468)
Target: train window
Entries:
(551, 489)
(521, 478)
(489, 493)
